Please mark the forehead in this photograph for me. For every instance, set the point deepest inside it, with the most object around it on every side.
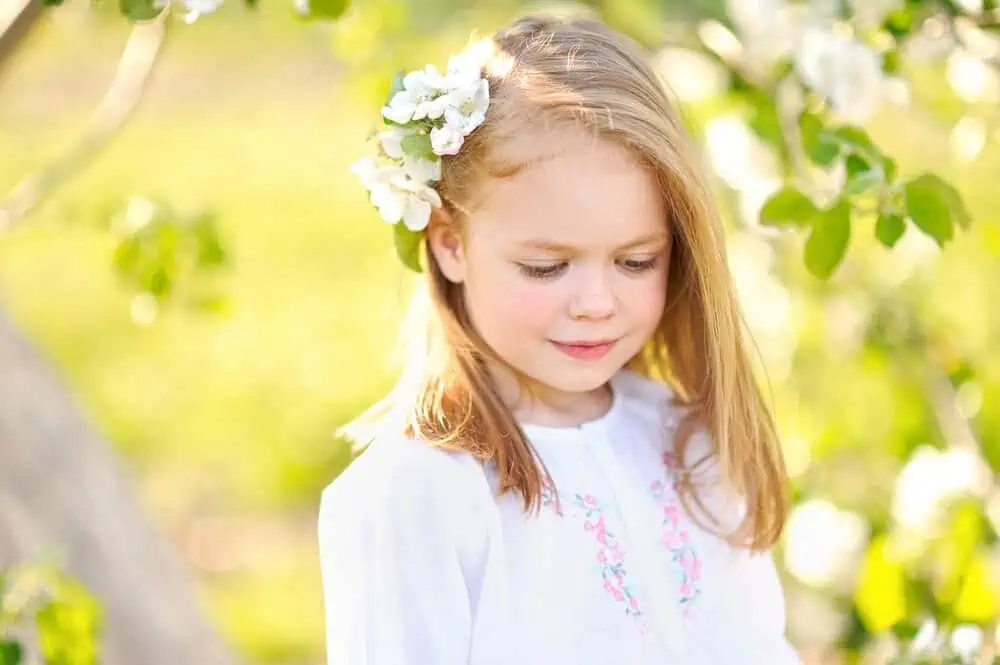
(572, 188)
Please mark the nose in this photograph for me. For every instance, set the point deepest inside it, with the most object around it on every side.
(594, 298)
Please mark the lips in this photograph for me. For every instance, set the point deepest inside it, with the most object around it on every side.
(585, 349)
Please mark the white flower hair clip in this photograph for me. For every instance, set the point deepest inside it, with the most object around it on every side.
(428, 115)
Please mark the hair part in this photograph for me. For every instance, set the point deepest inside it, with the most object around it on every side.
(545, 73)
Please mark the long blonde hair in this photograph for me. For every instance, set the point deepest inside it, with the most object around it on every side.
(546, 70)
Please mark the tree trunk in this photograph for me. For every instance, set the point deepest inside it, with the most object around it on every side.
(62, 489)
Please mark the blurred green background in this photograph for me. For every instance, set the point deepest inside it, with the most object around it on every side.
(225, 417)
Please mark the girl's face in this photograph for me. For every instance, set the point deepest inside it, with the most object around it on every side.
(565, 263)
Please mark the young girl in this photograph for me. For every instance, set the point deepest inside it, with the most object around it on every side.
(577, 466)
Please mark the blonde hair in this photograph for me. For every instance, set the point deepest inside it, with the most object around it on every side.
(546, 71)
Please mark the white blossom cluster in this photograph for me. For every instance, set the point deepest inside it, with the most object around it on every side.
(429, 116)
(832, 62)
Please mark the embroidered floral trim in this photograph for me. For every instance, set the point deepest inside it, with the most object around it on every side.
(610, 557)
(676, 538)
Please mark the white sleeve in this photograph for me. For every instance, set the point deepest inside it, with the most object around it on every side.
(393, 582)
(756, 591)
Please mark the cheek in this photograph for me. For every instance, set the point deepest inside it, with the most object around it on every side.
(644, 300)
(506, 301)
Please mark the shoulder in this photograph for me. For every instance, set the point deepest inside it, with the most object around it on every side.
(399, 480)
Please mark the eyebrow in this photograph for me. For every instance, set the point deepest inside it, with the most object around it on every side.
(542, 243)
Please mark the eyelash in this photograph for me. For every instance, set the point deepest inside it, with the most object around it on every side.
(552, 270)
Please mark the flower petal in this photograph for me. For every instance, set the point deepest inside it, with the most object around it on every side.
(446, 140)
(390, 203)
(392, 141)
(416, 213)
(365, 168)
(422, 170)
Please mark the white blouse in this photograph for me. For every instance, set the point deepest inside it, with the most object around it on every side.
(422, 564)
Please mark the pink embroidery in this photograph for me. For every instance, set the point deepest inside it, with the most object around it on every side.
(609, 556)
(677, 540)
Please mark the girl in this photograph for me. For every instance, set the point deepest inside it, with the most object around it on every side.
(577, 466)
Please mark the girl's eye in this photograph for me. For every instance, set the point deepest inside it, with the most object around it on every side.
(638, 265)
(546, 271)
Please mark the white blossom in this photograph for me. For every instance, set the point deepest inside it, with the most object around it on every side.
(450, 106)
(465, 68)
(396, 195)
(424, 83)
(870, 13)
(422, 170)
(467, 106)
(967, 642)
(767, 29)
(447, 140)
(930, 479)
(196, 8)
(845, 71)
(400, 108)
(431, 109)
(391, 139)
(824, 543)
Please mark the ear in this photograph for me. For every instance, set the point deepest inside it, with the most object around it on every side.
(445, 242)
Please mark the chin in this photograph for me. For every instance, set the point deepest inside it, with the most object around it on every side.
(578, 380)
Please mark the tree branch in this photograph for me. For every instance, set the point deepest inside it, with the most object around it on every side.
(126, 89)
(17, 18)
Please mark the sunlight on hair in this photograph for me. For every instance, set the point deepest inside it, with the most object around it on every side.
(499, 65)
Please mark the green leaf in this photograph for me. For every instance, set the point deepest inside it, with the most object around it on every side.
(787, 206)
(892, 61)
(10, 653)
(958, 210)
(210, 252)
(818, 144)
(857, 140)
(68, 626)
(324, 10)
(408, 246)
(889, 168)
(889, 228)
(419, 145)
(905, 629)
(827, 243)
(782, 68)
(764, 119)
(899, 22)
(140, 10)
(861, 175)
(935, 206)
